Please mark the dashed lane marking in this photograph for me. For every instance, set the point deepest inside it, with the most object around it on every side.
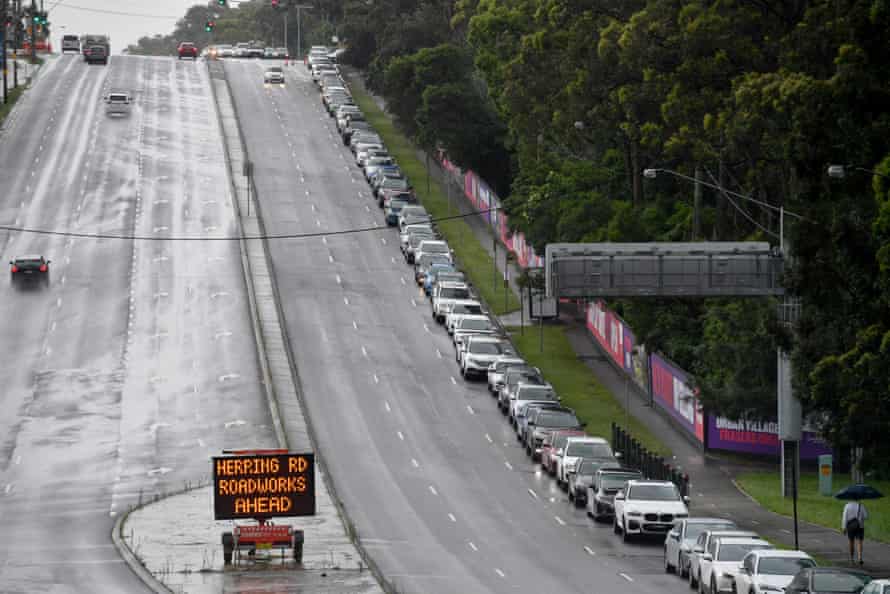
(433, 490)
(386, 405)
(415, 463)
(470, 408)
(472, 546)
(452, 518)
(559, 520)
(499, 572)
(590, 551)
(532, 493)
(376, 379)
(401, 436)
(627, 577)
(508, 465)
(488, 437)
(453, 381)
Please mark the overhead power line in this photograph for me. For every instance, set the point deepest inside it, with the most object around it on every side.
(83, 235)
(115, 12)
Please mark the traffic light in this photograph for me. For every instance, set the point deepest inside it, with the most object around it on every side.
(208, 26)
(37, 19)
(274, 3)
(221, 2)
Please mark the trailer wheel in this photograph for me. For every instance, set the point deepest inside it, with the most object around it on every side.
(228, 542)
(298, 552)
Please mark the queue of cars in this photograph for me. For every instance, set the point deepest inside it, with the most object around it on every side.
(713, 554)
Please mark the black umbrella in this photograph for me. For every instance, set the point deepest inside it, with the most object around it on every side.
(858, 493)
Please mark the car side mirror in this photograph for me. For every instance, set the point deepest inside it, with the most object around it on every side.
(619, 496)
(686, 499)
(707, 557)
(698, 549)
(743, 569)
(619, 455)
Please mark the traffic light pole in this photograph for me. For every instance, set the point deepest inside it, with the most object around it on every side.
(33, 32)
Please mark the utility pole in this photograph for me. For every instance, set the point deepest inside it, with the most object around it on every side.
(3, 15)
(300, 7)
(33, 32)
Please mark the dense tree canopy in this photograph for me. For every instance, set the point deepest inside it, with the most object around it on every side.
(561, 104)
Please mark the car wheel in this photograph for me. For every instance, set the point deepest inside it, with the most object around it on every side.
(625, 537)
(713, 588)
(692, 581)
(571, 495)
(615, 527)
(681, 566)
(668, 568)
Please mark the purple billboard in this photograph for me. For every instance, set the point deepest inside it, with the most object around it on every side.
(758, 437)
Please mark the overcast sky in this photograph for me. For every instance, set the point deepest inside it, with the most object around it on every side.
(125, 21)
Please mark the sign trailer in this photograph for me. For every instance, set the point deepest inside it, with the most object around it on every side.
(260, 485)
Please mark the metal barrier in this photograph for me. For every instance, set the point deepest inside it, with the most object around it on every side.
(634, 455)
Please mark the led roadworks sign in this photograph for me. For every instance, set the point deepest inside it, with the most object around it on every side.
(263, 486)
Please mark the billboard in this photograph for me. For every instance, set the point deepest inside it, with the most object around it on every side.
(758, 437)
(263, 486)
(671, 391)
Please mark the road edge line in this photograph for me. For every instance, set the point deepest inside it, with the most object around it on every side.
(135, 565)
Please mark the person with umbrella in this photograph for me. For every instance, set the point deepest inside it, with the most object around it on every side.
(855, 514)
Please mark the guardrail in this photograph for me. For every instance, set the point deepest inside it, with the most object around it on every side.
(634, 455)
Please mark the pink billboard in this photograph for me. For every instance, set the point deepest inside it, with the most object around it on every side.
(671, 391)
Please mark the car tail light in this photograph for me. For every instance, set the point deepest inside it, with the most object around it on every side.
(15, 268)
(43, 268)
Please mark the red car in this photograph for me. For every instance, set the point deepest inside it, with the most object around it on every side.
(188, 49)
(552, 446)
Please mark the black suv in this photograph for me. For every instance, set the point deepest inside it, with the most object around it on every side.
(29, 269)
(96, 54)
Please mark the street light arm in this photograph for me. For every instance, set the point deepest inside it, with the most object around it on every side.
(651, 173)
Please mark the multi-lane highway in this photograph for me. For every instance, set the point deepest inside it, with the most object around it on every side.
(137, 362)
(442, 497)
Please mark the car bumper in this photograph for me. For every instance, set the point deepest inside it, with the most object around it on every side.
(637, 525)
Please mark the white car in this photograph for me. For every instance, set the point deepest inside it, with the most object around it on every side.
(680, 540)
(464, 307)
(478, 353)
(430, 246)
(701, 545)
(528, 392)
(446, 294)
(117, 103)
(576, 449)
(273, 75)
(471, 325)
(720, 564)
(881, 586)
(496, 370)
(647, 507)
(770, 571)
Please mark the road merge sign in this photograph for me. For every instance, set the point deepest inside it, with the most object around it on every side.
(263, 486)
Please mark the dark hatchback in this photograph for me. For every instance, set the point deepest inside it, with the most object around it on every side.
(828, 580)
(96, 54)
(33, 269)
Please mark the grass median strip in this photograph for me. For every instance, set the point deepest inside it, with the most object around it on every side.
(766, 489)
(13, 96)
(472, 256)
(577, 385)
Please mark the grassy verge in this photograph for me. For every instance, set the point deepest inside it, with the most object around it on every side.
(765, 487)
(13, 96)
(577, 386)
(475, 261)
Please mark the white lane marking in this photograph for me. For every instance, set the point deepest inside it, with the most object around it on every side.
(415, 463)
(313, 207)
(386, 404)
(354, 324)
(393, 259)
(52, 327)
(426, 327)
(488, 437)
(402, 278)
(785, 530)
(532, 493)
(453, 381)
(376, 379)
(590, 551)
(452, 518)
(324, 239)
(367, 208)
(499, 572)
(339, 280)
(399, 433)
(383, 240)
(59, 302)
(346, 300)
(8, 488)
(330, 258)
(472, 546)
(317, 223)
(508, 465)
(627, 577)
(201, 443)
(438, 353)
(559, 520)
(364, 351)
(470, 408)
(414, 303)
(433, 490)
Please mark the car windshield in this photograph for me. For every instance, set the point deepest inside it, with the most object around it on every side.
(475, 324)
(527, 375)
(589, 450)
(737, 551)
(535, 393)
(428, 259)
(693, 529)
(117, 98)
(486, 348)
(396, 205)
(436, 248)
(416, 238)
(379, 161)
(616, 481)
(28, 263)
(654, 493)
(838, 582)
(500, 366)
(454, 293)
(556, 420)
(275, 69)
(395, 183)
(783, 565)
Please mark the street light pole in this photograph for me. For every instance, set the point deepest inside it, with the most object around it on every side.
(299, 8)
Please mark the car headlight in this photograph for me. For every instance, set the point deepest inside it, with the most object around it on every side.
(634, 514)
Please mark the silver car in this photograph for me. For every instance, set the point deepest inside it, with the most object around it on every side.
(496, 371)
(680, 540)
(117, 103)
(478, 353)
